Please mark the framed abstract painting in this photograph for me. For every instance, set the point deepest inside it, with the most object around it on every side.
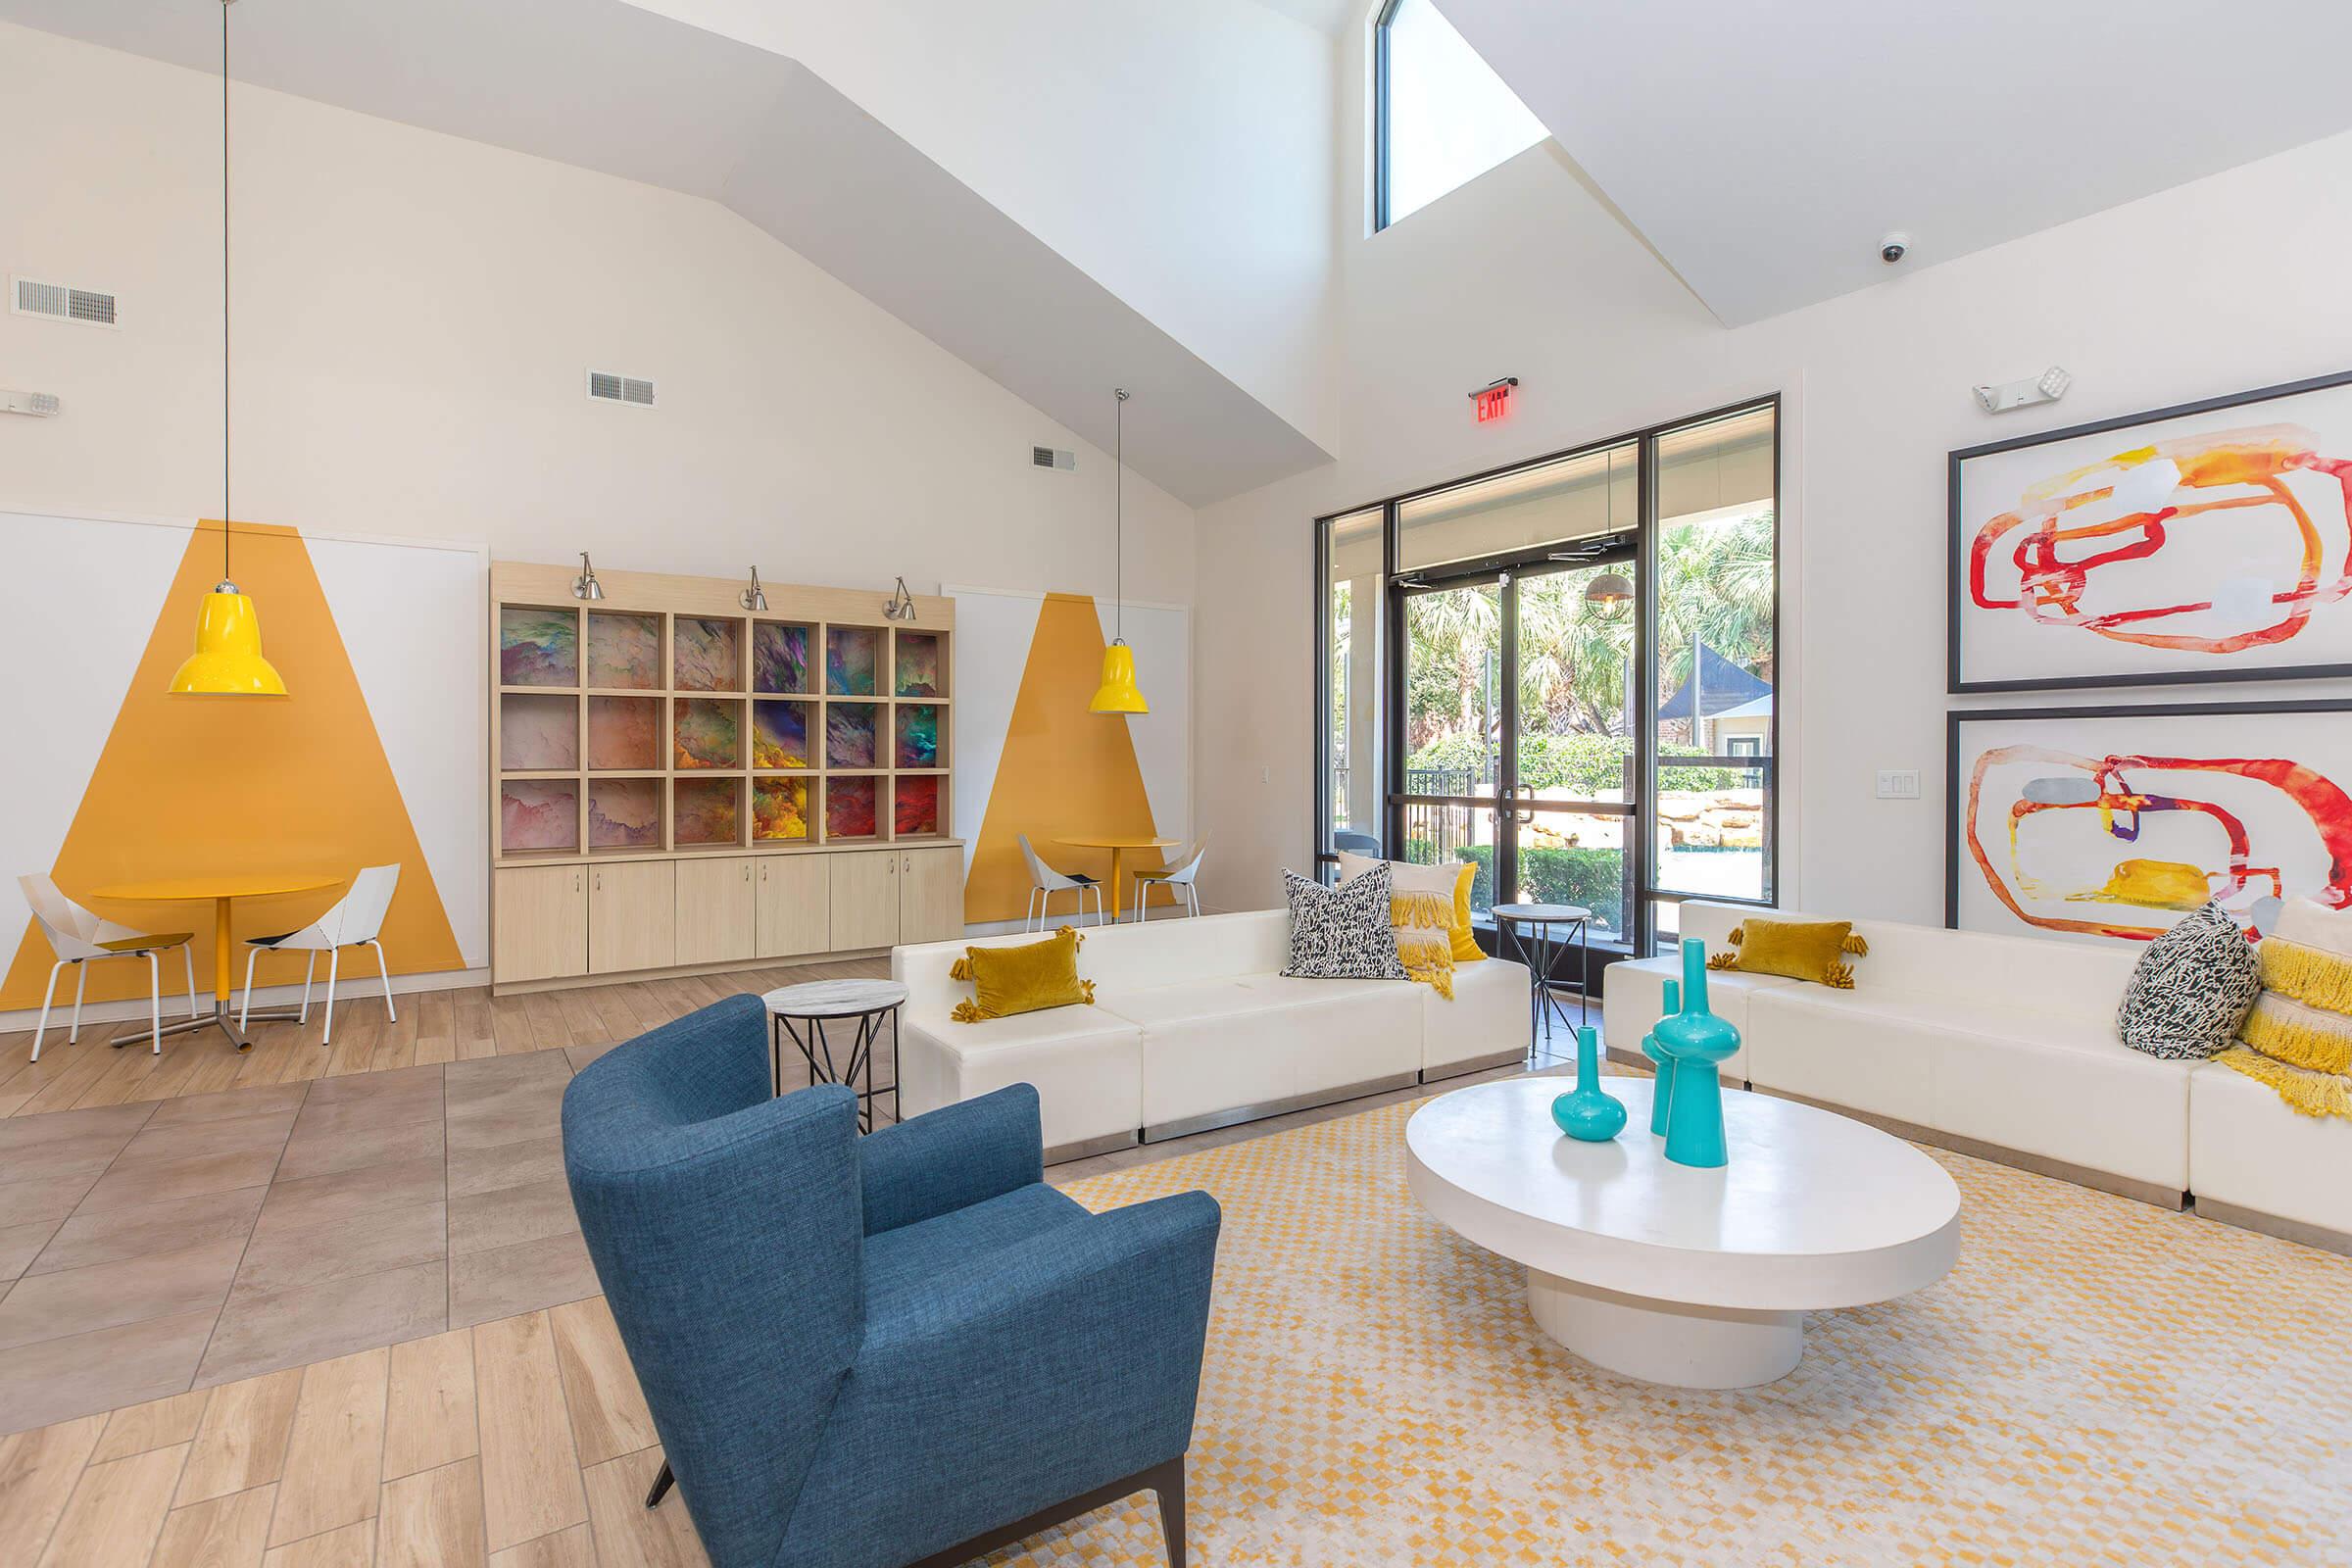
(2110, 823)
(2212, 541)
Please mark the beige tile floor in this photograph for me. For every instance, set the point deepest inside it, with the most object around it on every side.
(154, 1245)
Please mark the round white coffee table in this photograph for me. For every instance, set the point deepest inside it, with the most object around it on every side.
(1695, 1278)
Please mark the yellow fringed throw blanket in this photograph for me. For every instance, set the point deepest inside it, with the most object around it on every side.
(1424, 924)
(2298, 1039)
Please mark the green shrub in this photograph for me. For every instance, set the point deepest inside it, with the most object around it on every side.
(1592, 878)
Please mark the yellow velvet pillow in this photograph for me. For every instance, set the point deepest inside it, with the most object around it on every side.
(1465, 945)
(1025, 979)
(1798, 950)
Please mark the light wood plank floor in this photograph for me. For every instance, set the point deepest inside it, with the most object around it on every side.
(434, 1027)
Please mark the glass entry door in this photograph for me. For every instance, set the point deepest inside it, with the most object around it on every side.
(1518, 756)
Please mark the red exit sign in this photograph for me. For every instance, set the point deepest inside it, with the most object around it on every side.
(1492, 400)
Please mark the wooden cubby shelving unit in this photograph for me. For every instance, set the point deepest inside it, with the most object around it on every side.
(681, 785)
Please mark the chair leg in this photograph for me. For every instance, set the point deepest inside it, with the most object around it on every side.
(155, 1000)
(332, 959)
(1168, 1486)
(187, 956)
(252, 957)
(385, 975)
(82, 975)
(42, 1027)
(309, 972)
(662, 1485)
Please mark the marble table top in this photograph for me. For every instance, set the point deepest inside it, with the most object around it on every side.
(1541, 913)
(834, 998)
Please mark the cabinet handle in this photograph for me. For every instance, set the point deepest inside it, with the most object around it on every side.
(746, 872)
(575, 881)
(600, 881)
(894, 868)
(908, 864)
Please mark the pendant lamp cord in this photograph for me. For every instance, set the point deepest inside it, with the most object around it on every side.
(224, 491)
(1119, 511)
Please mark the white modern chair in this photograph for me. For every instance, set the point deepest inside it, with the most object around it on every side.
(79, 937)
(1045, 882)
(354, 922)
(1179, 878)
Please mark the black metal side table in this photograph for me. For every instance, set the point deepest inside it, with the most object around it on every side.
(1540, 932)
(800, 1014)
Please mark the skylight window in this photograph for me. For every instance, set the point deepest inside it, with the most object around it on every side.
(1444, 117)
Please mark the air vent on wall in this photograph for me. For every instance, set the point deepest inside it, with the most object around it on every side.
(60, 302)
(1048, 458)
(607, 387)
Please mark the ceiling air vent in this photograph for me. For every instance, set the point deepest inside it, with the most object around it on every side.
(1048, 458)
(59, 302)
(606, 387)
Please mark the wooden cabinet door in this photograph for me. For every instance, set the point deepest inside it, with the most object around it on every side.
(930, 895)
(714, 909)
(864, 898)
(541, 932)
(632, 916)
(791, 906)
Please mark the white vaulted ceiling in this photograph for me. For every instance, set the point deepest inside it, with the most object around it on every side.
(1764, 150)
(612, 86)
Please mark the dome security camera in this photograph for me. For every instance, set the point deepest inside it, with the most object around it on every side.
(1894, 248)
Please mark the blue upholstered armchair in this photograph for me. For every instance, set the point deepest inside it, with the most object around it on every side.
(867, 1352)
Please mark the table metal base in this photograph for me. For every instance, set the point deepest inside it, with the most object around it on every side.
(817, 1050)
(1541, 948)
(222, 1017)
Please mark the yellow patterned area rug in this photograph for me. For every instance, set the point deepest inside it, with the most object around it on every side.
(2098, 1382)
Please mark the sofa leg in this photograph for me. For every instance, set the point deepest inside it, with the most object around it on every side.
(1167, 1483)
(662, 1485)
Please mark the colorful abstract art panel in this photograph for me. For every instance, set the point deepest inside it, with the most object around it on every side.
(780, 809)
(918, 814)
(706, 655)
(538, 813)
(706, 733)
(779, 657)
(538, 647)
(624, 651)
(2109, 824)
(918, 664)
(850, 807)
(2211, 542)
(851, 654)
(539, 733)
(853, 734)
(625, 813)
(708, 810)
(779, 734)
(918, 735)
(624, 733)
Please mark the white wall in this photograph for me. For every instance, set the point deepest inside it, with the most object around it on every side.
(2229, 283)
(1178, 154)
(414, 317)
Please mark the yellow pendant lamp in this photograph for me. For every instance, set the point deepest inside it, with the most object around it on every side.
(1118, 693)
(227, 660)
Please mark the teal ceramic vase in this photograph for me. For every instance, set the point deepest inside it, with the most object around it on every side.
(1661, 1089)
(1587, 1114)
(1696, 1041)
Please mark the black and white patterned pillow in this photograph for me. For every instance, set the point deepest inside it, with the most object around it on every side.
(2191, 988)
(1342, 933)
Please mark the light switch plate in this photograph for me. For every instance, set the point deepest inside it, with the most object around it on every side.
(1898, 783)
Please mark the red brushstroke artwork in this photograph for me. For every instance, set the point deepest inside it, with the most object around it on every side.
(2135, 504)
(2115, 789)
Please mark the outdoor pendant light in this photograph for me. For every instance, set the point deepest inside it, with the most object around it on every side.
(227, 660)
(1118, 693)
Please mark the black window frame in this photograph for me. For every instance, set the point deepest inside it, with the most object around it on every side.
(1397, 583)
(1380, 113)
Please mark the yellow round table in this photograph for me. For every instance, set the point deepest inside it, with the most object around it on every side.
(1116, 843)
(222, 891)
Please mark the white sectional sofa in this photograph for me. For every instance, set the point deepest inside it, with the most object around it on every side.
(2007, 1047)
(1192, 1026)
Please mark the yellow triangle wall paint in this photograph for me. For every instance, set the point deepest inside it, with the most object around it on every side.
(1064, 770)
(187, 786)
